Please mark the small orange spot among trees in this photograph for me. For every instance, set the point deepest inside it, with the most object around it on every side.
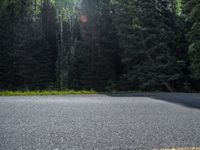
(84, 19)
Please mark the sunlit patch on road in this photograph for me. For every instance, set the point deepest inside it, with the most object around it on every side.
(187, 148)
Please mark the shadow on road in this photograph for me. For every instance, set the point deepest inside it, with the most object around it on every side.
(185, 99)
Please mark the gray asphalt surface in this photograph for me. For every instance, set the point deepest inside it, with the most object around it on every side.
(100, 122)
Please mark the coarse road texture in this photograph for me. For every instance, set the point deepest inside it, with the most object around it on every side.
(100, 122)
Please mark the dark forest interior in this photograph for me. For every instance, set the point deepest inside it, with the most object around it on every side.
(104, 45)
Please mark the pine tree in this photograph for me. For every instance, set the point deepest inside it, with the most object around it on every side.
(14, 13)
(27, 56)
(192, 11)
(96, 50)
(98, 44)
(49, 32)
(148, 40)
(5, 34)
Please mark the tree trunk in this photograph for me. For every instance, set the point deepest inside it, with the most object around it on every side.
(169, 87)
(61, 52)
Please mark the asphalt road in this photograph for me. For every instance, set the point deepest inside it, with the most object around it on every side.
(100, 122)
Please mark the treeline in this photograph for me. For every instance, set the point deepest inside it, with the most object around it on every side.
(134, 45)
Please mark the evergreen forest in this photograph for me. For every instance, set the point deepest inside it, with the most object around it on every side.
(102, 45)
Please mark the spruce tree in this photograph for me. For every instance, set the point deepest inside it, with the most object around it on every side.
(192, 12)
(148, 39)
(97, 45)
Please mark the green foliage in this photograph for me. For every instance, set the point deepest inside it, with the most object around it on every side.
(179, 7)
(192, 12)
(27, 57)
(117, 45)
(147, 32)
(95, 59)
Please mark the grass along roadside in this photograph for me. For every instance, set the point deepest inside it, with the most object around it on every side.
(45, 93)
